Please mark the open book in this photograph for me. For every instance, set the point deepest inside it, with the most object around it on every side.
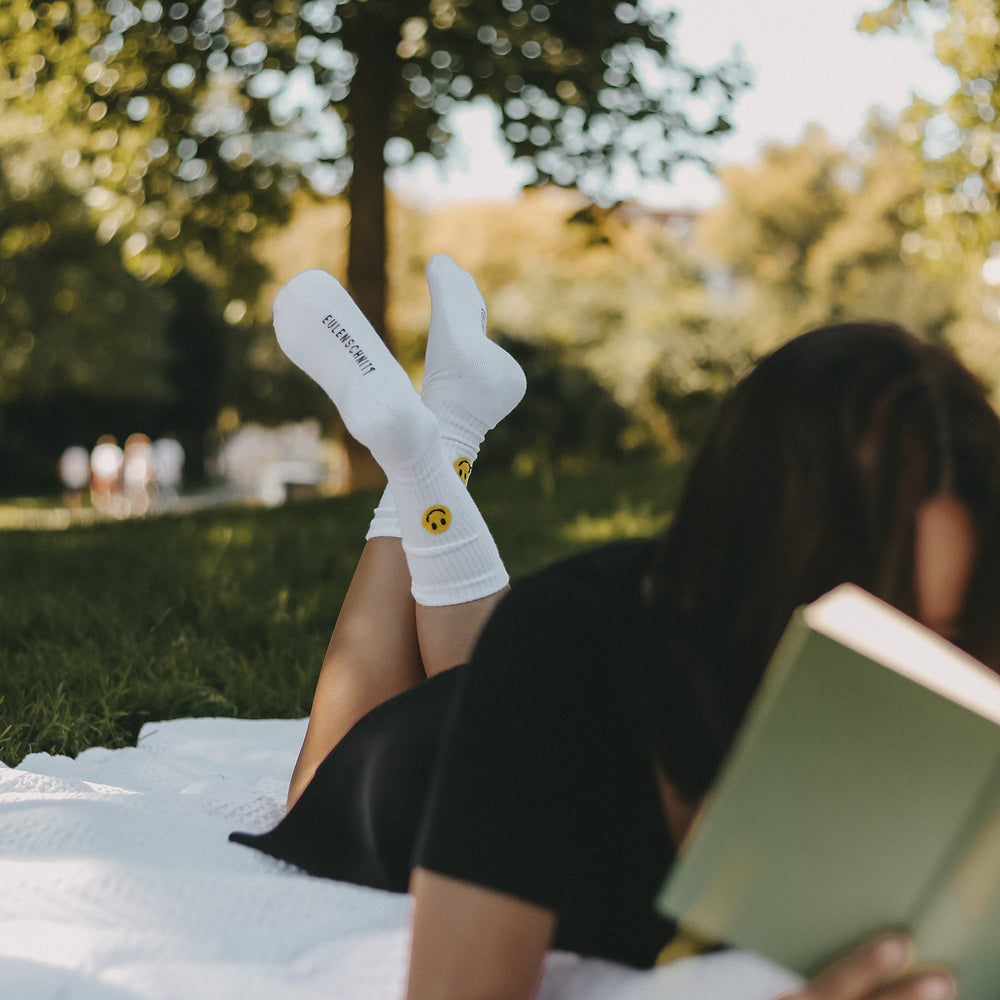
(861, 793)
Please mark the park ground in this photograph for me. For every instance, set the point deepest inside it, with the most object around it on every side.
(227, 610)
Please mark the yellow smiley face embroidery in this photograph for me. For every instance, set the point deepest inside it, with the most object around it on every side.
(464, 469)
(437, 519)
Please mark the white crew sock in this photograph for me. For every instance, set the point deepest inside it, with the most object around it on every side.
(450, 553)
(385, 518)
(319, 327)
(470, 384)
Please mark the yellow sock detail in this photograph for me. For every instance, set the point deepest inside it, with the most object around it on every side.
(436, 520)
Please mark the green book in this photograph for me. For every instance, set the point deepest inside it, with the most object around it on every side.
(861, 793)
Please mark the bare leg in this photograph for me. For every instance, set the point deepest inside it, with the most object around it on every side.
(447, 635)
(382, 644)
(373, 655)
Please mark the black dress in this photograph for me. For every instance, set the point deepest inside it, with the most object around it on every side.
(525, 770)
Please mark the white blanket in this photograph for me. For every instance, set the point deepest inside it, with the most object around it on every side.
(117, 882)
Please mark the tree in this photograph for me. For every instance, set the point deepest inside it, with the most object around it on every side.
(582, 86)
(54, 279)
(127, 153)
(74, 326)
(959, 141)
(184, 124)
(146, 114)
(815, 234)
(955, 226)
(604, 307)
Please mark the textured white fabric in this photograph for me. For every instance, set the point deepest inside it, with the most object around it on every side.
(385, 518)
(117, 882)
(470, 384)
(320, 328)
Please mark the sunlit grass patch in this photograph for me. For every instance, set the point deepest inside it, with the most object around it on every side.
(227, 612)
(625, 523)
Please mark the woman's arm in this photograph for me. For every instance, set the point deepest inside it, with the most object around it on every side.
(473, 943)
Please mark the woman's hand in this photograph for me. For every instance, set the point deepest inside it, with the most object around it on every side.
(878, 971)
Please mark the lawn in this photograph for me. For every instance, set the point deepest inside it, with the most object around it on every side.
(227, 612)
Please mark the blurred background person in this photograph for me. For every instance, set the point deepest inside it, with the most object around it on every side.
(106, 467)
(74, 471)
(168, 470)
(137, 472)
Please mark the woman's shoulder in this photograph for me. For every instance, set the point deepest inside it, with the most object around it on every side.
(570, 609)
(618, 566)
(560, 628)
(596, 593)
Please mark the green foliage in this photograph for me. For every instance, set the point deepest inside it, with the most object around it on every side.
(178, 106)
(582, 88)
(121, 160)
(814, 234)
(580, 85)
(175, 134)
(185, 128)
(71, 318)
(228, 612)
(147, 116)
(959, 140)
(610, 310)
(87, 349)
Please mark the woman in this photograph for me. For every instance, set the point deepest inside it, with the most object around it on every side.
(521, 797)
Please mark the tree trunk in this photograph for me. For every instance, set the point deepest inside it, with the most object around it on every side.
(369, 108)
(370, 105)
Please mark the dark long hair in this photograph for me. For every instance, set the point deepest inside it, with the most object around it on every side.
(811, 477)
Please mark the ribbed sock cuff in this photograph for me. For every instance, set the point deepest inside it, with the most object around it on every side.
(385, 519)
(464, 571)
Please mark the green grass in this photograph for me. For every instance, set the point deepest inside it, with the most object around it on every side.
(227, 612)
